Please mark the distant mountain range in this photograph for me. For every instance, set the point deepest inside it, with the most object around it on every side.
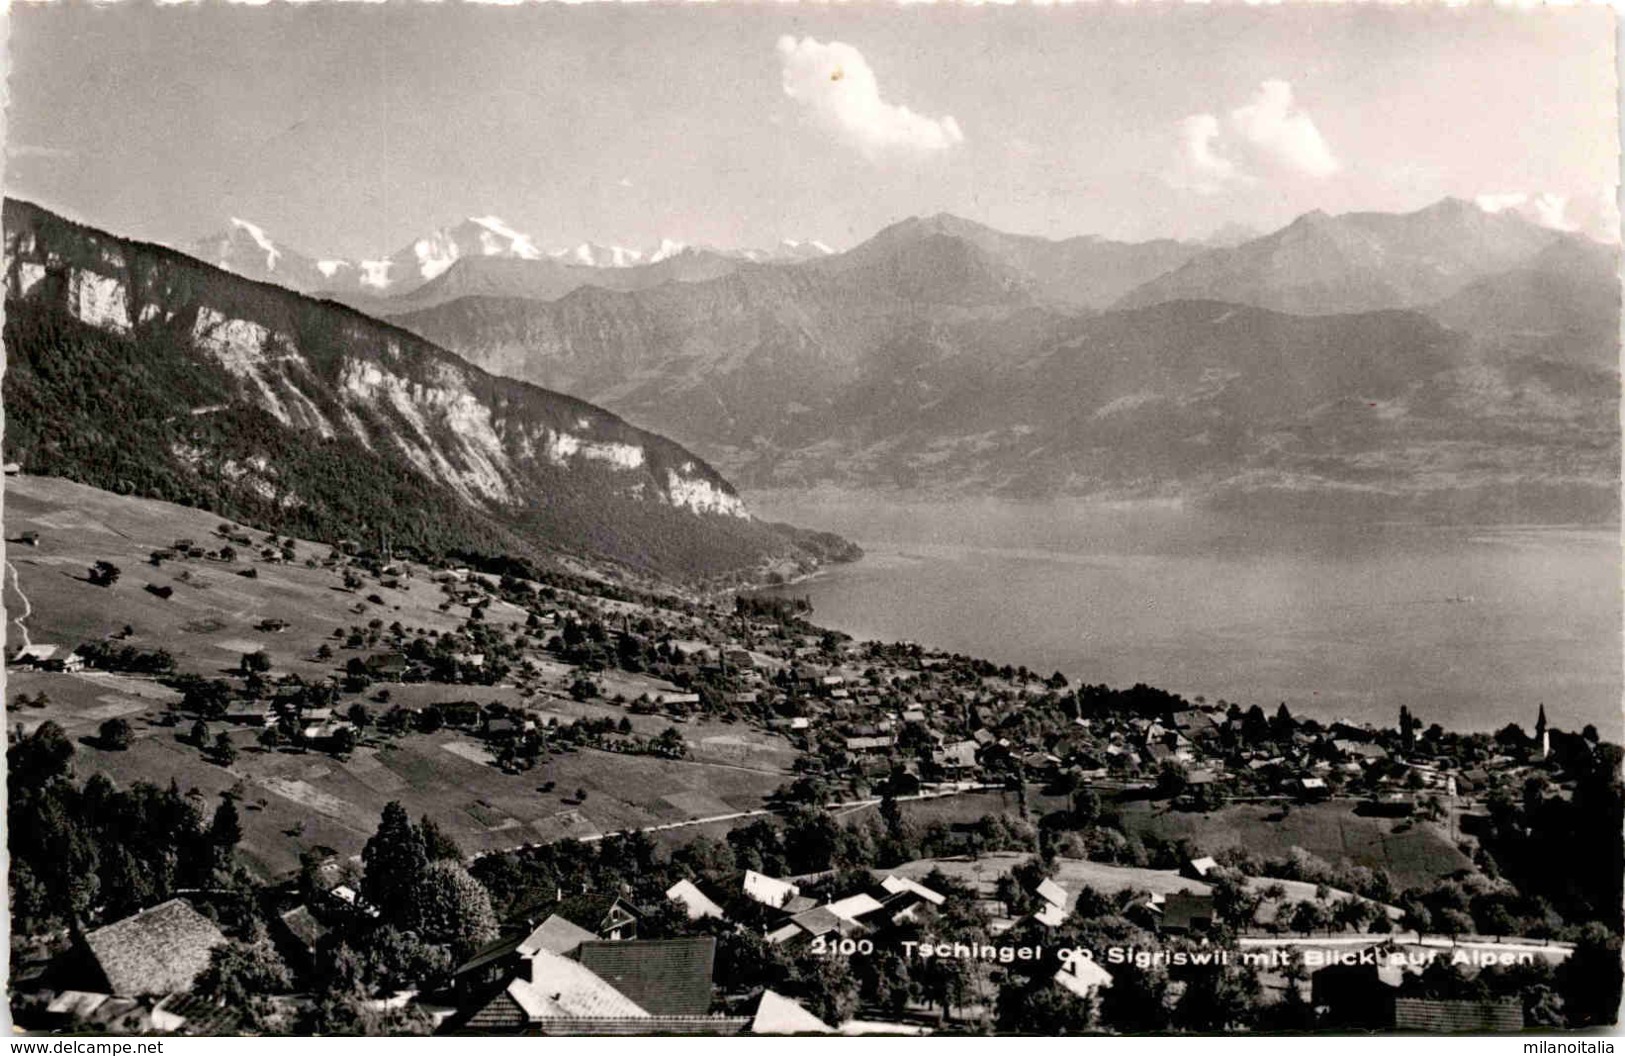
(138, 369)
(486, 255)
(1450, 363)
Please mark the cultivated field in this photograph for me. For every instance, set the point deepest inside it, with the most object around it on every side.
(294, 799)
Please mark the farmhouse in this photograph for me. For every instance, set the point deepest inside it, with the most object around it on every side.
(696, 903)
(1082, 976)
(157, 951)
(1185, 913)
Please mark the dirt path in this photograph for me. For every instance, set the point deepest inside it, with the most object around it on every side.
(28, 608)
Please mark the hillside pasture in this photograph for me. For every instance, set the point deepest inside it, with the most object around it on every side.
(1414, 852)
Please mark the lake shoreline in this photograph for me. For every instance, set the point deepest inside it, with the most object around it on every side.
(1468, 626)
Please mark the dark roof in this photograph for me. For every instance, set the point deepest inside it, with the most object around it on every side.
(304, 927)
(156, 951)
(506, 946)
(1183, 908)
(817, 921)
(1458, 1017)
(204, 1016)
(668, 977)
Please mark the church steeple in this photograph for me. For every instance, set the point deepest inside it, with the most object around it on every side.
(1542, 738)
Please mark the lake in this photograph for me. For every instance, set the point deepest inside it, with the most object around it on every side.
(1470, 627)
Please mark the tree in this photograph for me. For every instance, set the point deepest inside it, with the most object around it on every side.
(36, 759)
(1171, 779)
(226, 830)
(104, 573)
(452, 909)
(240, 972)
(343, 741)
(115, 735)
(1308, 917)
(255, 663)
(1219, 999)
(1590, 980)
(225, 753)
(394, 860)
(827, 988)
(436, 844)
(1085, 807)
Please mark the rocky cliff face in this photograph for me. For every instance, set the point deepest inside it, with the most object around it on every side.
(202, 368)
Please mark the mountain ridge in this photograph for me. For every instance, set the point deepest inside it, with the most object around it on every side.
(334, 419)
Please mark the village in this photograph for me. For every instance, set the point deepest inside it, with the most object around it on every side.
(824, 819)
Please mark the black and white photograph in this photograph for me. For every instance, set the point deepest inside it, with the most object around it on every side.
(750, 519)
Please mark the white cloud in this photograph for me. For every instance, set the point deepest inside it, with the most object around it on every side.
(1546, 209)
(1597, 217)
(834, 82)
(1203, 170)
(1273, 125)
(1269, 134)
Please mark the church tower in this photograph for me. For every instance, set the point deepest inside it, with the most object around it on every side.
(1542, 737)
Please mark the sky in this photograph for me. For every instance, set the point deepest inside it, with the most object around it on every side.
(349, 130)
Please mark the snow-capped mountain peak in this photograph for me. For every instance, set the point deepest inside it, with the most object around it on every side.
(592, 255)
(498, 239)
(667, 248)
(257, 233)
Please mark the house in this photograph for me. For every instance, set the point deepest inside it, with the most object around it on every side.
(388, 666)
(868, 744)
(776, 1014)
(961, 755)
(812, 924)
(694, 901)
(504, 729)
(608, 917)
(464, 714)
(36, 655)
(549, 991)
(1052, 909)
(1199, 868)
(323, 731)
(156, 951)
(1356, 995)
(767, 890)
(1498, 1016)
(1361, 750)
(1082, 976)
(499, 961)
(665, 977)
(899, 884)
(854, 907)
(1184, 913)
(303, 936)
